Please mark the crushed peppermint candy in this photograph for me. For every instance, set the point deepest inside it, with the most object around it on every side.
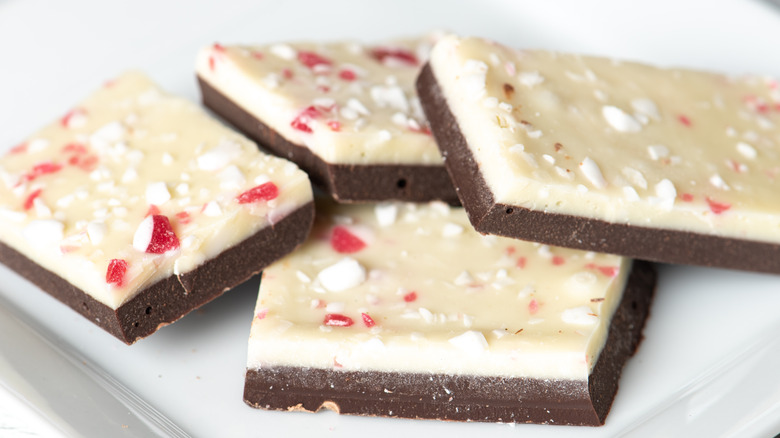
(264, 192)
(345, 274)
(155, 235)
(593, 173)
(116, 272)
(471, 341)
(337, 320)
(619, 120)
(345, 242)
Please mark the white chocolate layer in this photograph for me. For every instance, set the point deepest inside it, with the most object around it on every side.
(618, 141)
(348, 103)
(74, 196)
(414, 288)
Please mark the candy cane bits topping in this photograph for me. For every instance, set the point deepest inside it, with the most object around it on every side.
(302, 122)
(338, 320)
(155, 235)
(387, 55)
(116, 272)
(367, 320)
(312, 59)
(30, 200)
(263, 192)
(717, 207)
(342, 241)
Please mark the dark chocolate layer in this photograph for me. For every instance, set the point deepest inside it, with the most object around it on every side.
(467, 398)
(344, 182)
(580, 232)
(169, 299)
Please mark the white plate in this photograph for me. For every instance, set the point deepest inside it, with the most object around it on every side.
(708, 364)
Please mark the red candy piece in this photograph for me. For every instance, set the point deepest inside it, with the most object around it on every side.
(77, 148)
(334, 125)
(347, 75)
(311, 59)
(558, 260)
(687, 197)
(345, 242)
(684, 120)
(411, 296)
(521, 261)
(382, 54)
(263, 192)
(287, 73)
(183, 217)
(18, 149)
(367, 320)
(115, 274)
(257, 55)
(219, 47)
(86, 163)
(337, 320)
(41, 169)
(163, 237)
(609, 271)
(301, 121)
(28, 202)
(533, 306)
(717, 207)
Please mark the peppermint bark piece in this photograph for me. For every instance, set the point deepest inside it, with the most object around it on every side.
(404, 310)
(136, 207)
(347, 113)
(668, 165)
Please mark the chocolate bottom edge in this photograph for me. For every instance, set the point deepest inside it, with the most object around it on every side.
(579, 232)
(167, 300)
(344, 182)
(467, 397)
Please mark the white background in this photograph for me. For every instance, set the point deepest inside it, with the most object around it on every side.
(708, 365)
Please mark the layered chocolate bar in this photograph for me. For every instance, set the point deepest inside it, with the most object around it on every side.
(404, 310)
(136, 207)
(668, 165)
(347, 113)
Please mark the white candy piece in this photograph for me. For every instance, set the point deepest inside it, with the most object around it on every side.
(386, 214)
(96, 231)
(592, 172)
(143, 234)
(472, 341)
(157, 193)
(619, 120)
(345, 274)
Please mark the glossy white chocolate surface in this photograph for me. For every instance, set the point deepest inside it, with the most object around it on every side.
(83, 190)
(414, 288)
(348, 103)
(618, 141)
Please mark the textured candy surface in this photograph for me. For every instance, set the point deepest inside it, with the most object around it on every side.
(617, 141)
(347, 102)
(424, 292)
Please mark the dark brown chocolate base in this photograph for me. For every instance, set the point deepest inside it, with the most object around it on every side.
(467, 398)
(344, 182)
(168, 300)
(656, 244)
